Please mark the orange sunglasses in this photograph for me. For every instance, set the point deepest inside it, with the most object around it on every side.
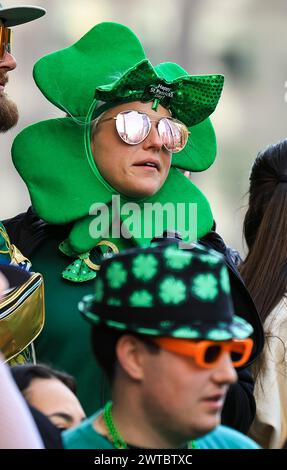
(5, 41)
(208, 353)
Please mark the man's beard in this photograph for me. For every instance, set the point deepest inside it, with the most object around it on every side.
(8, 110)
(8, 113)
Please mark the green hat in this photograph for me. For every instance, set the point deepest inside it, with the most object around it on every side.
(106, 67)
(162, 290)
(13, 16)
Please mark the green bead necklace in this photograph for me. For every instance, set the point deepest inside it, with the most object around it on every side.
(114, 434)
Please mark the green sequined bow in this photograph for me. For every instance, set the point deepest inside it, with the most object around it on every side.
(191, 98)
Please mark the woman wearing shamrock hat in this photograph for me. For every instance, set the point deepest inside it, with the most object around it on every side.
(129, 128)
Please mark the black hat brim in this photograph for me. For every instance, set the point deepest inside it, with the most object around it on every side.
(19, 15)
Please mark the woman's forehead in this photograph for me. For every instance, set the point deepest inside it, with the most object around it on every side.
(138, 106)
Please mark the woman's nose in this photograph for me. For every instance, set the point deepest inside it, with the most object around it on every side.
(153, 140)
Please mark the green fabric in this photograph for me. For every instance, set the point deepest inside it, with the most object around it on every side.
(64, 342)
(191, 99)
(200, 150)
(85, 436)
(49, 169)
(54, 157)
(69, 77)
(224, 437)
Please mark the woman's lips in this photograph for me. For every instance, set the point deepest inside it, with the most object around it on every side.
(149, 169)
(150, 165)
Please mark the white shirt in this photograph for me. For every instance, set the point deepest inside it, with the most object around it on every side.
(269, 428)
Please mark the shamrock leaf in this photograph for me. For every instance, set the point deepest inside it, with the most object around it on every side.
(177, 259)
(224, 280)
(186, 332)
(116, 275)
(141, 298)
(204, 286)
(172, 290)
(210, 259)
(145, 267)
(218, 334)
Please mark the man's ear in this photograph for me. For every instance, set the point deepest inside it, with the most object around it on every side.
(130, 352)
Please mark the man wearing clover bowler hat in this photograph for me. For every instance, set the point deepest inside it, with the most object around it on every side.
(9, 17)
(165, 332)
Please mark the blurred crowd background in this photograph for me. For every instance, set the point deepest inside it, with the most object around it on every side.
(243, 39)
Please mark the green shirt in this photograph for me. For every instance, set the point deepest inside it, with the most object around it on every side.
(65, 342)
(85, 436)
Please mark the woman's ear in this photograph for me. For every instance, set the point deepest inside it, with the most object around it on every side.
(130, 353)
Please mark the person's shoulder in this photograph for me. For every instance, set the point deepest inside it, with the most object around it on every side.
(28, 231)
(280, 310)
(224, 437)
(85, 436)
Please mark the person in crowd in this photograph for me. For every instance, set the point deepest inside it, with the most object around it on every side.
(165, 333)
(22, 312)
(94, 175)
(21, 425)
(264, 272)
(50, 391)
(18, 429)
(10, 17)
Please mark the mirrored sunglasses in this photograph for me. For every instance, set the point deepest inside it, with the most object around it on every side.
(207, 354)
(133, 127)
(5, 41)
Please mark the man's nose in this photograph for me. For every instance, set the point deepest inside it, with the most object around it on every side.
(224, 372)
(8, 62)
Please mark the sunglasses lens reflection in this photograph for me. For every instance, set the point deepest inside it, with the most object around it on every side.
(174, 134)
(132, 127)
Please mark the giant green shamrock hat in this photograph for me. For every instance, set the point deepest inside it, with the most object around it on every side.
(107, 67)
